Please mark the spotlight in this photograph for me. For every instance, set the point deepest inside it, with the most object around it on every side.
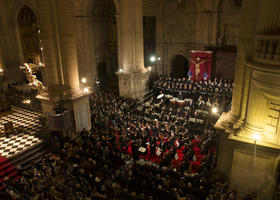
(86, 90)
(84, 80)
(120, 70)
(26, 101)
(153, 58)
(256, 137)
(41, 48)
(214, 110)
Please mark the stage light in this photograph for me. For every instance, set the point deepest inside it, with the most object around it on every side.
(84, 80)
(153, 58)
(214, 110)
(26, 101)
(256, 137)
(120, 70)
(86, 90)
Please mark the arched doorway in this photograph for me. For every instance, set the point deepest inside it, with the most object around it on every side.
(29, 34)
(105, 42)
(179, 66)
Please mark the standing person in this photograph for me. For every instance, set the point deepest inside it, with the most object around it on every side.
(135, 153)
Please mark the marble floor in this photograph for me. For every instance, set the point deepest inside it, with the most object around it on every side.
(25, 124)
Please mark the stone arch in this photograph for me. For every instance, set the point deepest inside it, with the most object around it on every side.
(19, 5)
(179, 66)
(15, 9)
(14, 56)
(28, 24)
(103, 30)
(87, 7)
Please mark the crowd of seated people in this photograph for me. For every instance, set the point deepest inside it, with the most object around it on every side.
(176, 160)
(215, 91)
(94, 168)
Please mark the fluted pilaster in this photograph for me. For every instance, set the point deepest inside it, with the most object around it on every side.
(58, 41)
(244, 51)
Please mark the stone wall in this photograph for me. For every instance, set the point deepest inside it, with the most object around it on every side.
(193, 25)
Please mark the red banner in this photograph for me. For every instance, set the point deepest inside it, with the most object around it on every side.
(200, 65)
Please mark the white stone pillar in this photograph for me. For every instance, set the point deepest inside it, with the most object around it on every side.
(57, 27)
(85, 49)
(133, 76)
(253, 152)
(242, 72)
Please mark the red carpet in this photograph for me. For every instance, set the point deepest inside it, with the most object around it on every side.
(6, 169)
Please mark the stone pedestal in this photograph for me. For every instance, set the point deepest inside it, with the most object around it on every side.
(249, 167)
(77, 105)
(133, 84)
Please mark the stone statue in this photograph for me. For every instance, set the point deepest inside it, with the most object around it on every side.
(27, 69)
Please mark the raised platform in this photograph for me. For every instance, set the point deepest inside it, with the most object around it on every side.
(5, 107)
(26, 125)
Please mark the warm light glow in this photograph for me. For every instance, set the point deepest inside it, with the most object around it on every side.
(149, 68)
(214, 110)
(153, 58)
(41, 48)
(158, 58)
(1, 70)
(256, 137)
(38, 31)
(84, 80)
(26, 101)
(120, 70)
(86, 90)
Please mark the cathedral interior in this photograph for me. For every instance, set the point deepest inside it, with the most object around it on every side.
(140, 99)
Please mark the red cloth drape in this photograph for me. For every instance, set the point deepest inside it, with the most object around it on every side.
(205, 67)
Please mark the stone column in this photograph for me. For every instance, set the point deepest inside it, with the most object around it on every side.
(59, 50)
(11, 45)
(242, 73)
(85, 47)
(253, 153)
(263, 100)
(133, 76)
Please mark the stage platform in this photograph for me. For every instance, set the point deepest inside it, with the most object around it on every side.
(27, 124)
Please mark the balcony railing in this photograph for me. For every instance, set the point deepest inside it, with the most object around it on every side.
(267, 49)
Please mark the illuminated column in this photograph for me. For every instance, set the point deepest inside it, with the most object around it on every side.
(249, 152)
(262, 116)
(132, 74)
(242, 72)
(60, 57)
(58, 41)
(85, 53)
